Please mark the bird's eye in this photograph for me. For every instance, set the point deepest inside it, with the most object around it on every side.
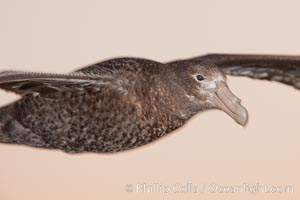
(200, 77)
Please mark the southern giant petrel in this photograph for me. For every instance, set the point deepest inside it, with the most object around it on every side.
(123, 103)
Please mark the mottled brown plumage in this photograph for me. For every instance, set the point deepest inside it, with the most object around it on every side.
(124, 103)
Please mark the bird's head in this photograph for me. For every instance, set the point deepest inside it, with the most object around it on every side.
(205, 87)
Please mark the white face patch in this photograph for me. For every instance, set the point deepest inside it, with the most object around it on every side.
(212, 83)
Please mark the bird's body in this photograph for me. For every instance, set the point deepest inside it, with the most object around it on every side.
(97, 119)
(90, 121)
(112, 106)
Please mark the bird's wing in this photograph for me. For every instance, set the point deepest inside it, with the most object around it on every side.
(285, 69)
(100, 76)
(115, 65)
(30, 82)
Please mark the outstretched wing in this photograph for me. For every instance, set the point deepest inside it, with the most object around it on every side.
(116, 65)
(29, 82)
(100, 76)
(285, 69)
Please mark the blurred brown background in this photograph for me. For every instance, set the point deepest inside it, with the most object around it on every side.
(62, 35)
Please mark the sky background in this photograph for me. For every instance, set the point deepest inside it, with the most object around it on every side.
(210, 150)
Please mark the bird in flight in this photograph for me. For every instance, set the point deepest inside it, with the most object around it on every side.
(123, 103)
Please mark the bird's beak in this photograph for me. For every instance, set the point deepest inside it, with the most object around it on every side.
(225, 100)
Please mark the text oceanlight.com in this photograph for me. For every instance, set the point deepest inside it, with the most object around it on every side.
(212, 188)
